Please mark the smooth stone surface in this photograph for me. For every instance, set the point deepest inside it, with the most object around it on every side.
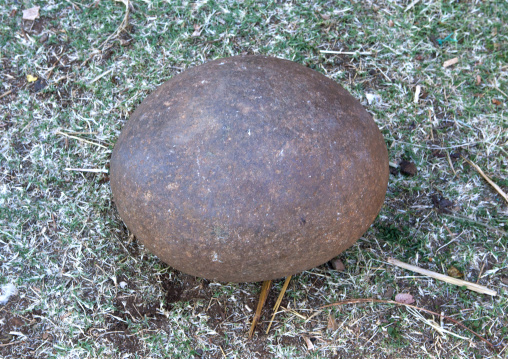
(248, 169)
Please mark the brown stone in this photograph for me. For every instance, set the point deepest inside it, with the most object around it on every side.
(249, 168)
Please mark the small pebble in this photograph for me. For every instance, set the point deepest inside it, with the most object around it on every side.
(388, 292)
(338, 265)
(43, 38)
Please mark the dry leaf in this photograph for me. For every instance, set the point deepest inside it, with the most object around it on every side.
(325, 16)
(496, 102)
(450, 62)
(31, 78)
(478, 80)
(390, 23)
(405, 298)
(310, 346)
(32, 13)
(197, 31)
(332, 323)
(454, 272)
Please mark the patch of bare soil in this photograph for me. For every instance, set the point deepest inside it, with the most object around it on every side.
(15, 328)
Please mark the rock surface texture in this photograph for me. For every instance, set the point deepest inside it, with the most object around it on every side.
(248, 169)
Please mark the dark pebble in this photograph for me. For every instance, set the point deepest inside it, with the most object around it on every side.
(408, 168)
(388, 292)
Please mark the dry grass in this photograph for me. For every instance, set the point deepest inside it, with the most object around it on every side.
(88, 289)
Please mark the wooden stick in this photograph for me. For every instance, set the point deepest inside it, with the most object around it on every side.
(262, 299)
(459, 282)
(81, 139)
(279, 300)
(5, 93)
(496, 187)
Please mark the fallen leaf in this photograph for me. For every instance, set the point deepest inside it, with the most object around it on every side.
(478, 80)
(31, 78)
(197, 31)
(454, 272)
(496, 102)
(390, 23)
(332, 323)
(325, 16)
(450, 62)
(31, 14)
(405, 298)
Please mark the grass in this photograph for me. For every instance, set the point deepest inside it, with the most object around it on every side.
(86, 289)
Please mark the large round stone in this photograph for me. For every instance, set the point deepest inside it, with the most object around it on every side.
(249, 168)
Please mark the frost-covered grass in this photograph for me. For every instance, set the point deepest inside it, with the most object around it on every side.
(88, 289)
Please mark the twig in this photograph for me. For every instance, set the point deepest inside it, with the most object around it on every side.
(481, 272)
(5, 94)
(372, 300)
(223, 353)
(364, 53)
(450, 162)
(279, 300)
(497, 88)
(11, 343)
(262, 299)
(440, 329)
(459, 282)
(123, 23)
(496, 187)
(417, 93)
(80, 139)
(100, 76)
(94, 170)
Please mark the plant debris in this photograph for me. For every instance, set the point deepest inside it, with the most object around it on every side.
(31, 14)
(408, 168)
